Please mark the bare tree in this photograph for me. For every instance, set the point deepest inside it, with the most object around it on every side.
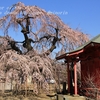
(90, 85)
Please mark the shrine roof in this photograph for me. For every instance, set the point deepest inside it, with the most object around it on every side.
(81, 48)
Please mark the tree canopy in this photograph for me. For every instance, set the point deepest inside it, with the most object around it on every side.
(42, 31)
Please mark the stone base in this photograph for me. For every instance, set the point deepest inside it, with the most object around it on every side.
(68, 97)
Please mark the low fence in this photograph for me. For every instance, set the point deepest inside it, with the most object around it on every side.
(5, 87)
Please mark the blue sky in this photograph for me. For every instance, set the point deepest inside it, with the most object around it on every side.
(82, 14)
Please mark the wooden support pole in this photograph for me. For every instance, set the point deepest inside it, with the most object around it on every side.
(68, 77)
(75, 78)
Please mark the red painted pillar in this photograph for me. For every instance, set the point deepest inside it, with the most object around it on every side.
(75, 78)
(68, 77)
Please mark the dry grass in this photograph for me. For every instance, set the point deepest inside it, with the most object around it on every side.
(40, 97)
(30, 96)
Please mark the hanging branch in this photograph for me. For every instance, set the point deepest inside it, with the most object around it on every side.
(45, 29)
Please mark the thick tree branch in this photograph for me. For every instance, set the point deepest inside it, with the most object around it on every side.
(14, 47)
(53, 46)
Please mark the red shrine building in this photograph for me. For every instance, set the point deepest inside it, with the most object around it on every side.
(89, 57)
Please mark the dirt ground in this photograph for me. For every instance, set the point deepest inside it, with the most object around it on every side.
(40, 97)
